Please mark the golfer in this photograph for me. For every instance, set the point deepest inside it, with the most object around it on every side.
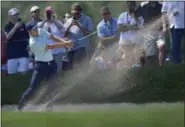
(46, 67)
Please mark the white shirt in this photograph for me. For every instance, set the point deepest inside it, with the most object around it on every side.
(37, 46)
(171, 7)
(55, 31)
(125, 18)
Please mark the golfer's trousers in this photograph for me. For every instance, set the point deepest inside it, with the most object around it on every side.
(177, 35)
(42, 71)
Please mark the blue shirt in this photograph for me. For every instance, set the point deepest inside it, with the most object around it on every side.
(107, 29)
(37, 46)
(75, 33)
(17, 45)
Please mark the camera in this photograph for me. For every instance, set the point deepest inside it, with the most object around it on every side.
(74, 18)
(48, 15)
(19, 19)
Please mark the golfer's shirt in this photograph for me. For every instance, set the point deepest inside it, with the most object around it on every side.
(37, 46)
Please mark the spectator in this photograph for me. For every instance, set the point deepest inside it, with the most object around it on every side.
(35, 17)
(77, 27)
(128, 26)
(17, 42)
(55, 27)
(173, 15)
(3, 54)
(151, 11)
(107, 32)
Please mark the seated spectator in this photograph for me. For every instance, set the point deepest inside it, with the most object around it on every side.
(55, 27)
(17, 43)
(77, 27)
(151, 11)
(173, 16)
(128, 26)
(3, 54)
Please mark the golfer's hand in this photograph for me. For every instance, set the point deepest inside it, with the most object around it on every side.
(70, 44)
(47, 46)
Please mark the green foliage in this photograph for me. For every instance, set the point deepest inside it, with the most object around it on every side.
(139, 86)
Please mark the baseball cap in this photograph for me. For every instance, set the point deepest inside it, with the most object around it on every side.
(34, 8)
(13, 11)
(50, 9)
(31, 25)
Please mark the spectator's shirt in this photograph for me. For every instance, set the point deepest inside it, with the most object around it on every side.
(37, 46)
(3, 50)
(53, 29)
(125, 18)
(148, 12)
(17, 45)
(107, 29)
(172, 6)
(75, 33)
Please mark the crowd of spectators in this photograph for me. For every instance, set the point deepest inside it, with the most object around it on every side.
(117, 47)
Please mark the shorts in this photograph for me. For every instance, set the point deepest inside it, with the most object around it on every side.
(17, 65)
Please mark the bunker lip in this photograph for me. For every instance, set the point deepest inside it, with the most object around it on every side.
(87, 107)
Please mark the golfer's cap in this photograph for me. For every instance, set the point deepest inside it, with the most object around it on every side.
(31, 25)
(49, 9)
(34, 8)
(13, 11)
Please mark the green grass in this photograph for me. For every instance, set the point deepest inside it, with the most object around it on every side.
(170, 115)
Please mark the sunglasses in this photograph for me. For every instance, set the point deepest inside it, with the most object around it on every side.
(106, 13)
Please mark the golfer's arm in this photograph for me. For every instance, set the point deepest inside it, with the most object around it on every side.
(57, 39)
(58, 45)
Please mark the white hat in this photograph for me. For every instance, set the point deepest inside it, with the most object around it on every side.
(34, 8)
(13, 11)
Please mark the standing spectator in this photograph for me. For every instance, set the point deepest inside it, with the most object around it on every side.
(77, 27)
(128, 26)
(151, 11)
(107, 32)
(3, 54)
(35, 17)
(55, 27)
(17, 43)
(173, 15)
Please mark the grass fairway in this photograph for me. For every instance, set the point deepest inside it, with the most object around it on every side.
(154, 115)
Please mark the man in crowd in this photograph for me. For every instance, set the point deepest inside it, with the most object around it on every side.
(35, 17)
(77, 27)
(17, 43)
(128, 43)
(55, 27)
(151, 12)
(46, 67)
(107, 33)
(173, 16)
